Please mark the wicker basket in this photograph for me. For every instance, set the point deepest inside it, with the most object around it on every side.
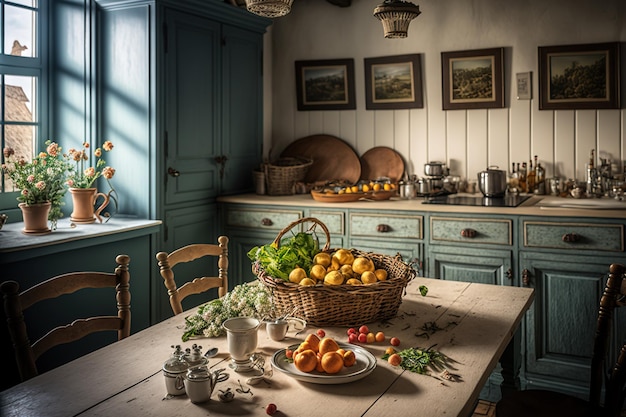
(341, 305)
(269, 8)
(282, 175)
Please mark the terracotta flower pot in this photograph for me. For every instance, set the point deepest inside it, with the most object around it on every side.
(35, 218)
(84, 202)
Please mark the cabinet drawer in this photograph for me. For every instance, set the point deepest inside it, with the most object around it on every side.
(333, 220)
(478, 231)
(587, 236)
(387, 225)
(262, 219)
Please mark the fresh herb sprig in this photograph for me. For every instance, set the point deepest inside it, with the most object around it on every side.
(419, 360)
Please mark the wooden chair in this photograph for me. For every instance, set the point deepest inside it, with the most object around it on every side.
(538, 403)
(197, 285)
(15, 303)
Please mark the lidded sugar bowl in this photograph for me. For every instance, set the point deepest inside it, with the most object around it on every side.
(174, 370)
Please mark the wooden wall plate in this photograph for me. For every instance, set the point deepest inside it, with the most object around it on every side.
(333, 158)
(382, 161)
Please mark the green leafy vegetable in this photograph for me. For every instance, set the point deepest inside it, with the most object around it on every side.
(423, 290)
(295, 251)
(418, 360)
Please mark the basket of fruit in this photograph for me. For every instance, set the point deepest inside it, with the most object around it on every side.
(331, 287)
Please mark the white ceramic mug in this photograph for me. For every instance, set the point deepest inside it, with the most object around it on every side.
(241, 335)
(277, 329)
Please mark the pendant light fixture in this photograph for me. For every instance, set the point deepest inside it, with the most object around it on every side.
(396, 15)
(269, 8)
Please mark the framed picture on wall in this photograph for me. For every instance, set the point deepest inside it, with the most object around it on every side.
(325, 84)
(393, 82)
(473, 79)
(579, 76)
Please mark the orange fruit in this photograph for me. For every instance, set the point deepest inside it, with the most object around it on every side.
(318, 367)
(349, 358)
(306, 361)
(313, 341)
(328, 344)
(332, 362)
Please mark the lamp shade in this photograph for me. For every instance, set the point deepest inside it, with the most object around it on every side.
(396, 15)
(269, 8)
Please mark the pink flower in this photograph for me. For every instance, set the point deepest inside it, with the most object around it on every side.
(24, 192)
(98, 152)
(70, 182)
(40, 185)
(8, 151)
(85, 145)
(30, 178)
(108, 172)
(108, 145)
(42, 154)
(53, 149)
(90, 172)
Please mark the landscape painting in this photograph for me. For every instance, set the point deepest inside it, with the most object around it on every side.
(579, 76)
(472, 79)
(325, 85)
(393, 82)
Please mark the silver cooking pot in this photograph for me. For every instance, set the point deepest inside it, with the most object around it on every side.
(492, 182)
(435, 169)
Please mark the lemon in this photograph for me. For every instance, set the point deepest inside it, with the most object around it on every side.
(322, 258)
(344, 257)
(317, 272)
(368, 277)
(354, 281)
(307, 281)
(347, 271)
(362, 264)
(387, 187)
(297, 275)
(355, 188)
(381, 274)
(376, 187)
(333, 278)
(365, 188)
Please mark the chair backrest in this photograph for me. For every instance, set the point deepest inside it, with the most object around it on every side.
(197, 285)
(611, 379)
(16, 302)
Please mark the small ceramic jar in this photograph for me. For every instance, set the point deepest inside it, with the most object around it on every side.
(174, 370)
(198, 384)
(277, 329)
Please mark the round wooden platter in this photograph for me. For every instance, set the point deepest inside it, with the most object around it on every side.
(345, 198)
(382, 161)
(333, 158)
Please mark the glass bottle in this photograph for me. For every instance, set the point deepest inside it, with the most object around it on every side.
(530, 178)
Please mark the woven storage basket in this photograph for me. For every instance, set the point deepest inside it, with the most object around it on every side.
(341, 305)
(282, 175)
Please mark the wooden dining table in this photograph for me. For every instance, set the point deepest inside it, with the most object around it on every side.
(470, 323)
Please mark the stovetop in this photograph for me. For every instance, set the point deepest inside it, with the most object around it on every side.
(453, 200)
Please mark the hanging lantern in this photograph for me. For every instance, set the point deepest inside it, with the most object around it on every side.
(269, 8)
(396, 15)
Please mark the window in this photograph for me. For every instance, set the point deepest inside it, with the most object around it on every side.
(21, 81)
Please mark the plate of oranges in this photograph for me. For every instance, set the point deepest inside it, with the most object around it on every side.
(329, 362)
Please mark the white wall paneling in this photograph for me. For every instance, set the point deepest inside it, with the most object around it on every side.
(468, 140)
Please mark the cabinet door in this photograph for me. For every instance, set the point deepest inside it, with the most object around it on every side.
(561, 322)
(240, 266)
(411, 252)
(192, 107)
(242, 109)
(470, 264)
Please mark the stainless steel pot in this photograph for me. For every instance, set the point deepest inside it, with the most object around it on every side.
(492, 182)
(407, 189)
(435, 169)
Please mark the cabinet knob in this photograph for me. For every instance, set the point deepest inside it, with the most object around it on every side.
(571, 237)
(470, 233)
(509, 274)
(526, 277)
(266, 222)
(383, 228)
(173, 172)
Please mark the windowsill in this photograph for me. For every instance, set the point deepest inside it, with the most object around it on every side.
(14, 243)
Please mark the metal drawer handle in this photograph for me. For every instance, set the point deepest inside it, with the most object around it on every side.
(470, 233)
(571, 237)
(383, 228)
(266, 222)
(526, 277)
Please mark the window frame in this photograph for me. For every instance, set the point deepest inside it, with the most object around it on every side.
(33, 67)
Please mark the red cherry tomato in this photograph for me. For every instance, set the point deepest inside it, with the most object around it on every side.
(289, 353)
(394, 341)
(362, 338)
(364, 329)
(353, 338)
(321, 333)
(271, 409)
(351, 330)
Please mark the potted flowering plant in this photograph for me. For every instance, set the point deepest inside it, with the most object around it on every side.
(41, 182)
(81, 179)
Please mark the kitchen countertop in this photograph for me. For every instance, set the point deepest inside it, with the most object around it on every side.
(547, 206)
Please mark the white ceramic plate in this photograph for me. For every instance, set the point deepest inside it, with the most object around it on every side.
(365, 364)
